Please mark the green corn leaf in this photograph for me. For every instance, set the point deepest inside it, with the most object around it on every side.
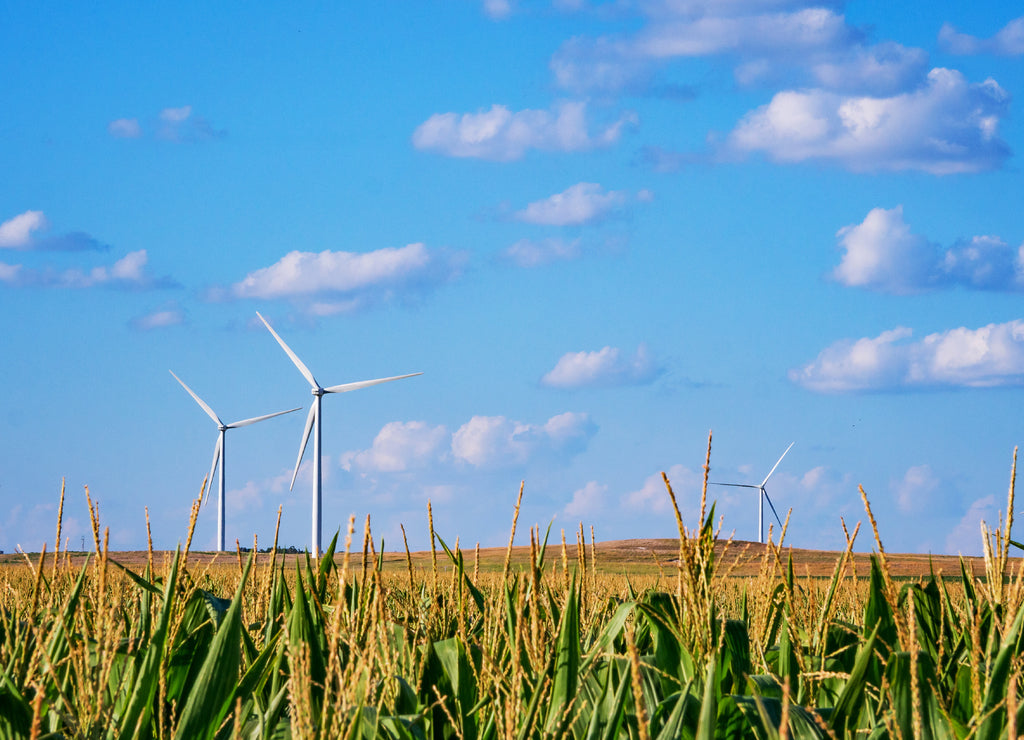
(209, 702)
(567, 664)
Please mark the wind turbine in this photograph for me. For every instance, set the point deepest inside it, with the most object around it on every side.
(762, 496)
(218, 453)
(313, 422)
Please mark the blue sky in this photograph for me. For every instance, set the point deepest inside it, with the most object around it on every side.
(599, 229)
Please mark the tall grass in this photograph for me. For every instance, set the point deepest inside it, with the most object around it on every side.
(333, 648)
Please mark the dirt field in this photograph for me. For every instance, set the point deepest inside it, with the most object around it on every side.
(618, 556)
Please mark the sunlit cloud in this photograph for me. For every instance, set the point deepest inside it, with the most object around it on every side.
(171, 315)
(991, 356)
(882, 254)
(128, 273)
(583, 203)
(539, 252)
(400, 446)
(1007, 41)
(606, 367)
(340, 282)
(503, 135)
(947, 126)
(497, 441)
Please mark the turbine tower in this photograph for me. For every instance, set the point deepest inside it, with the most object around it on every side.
(218, 453)
(313, 424)
(762, 496)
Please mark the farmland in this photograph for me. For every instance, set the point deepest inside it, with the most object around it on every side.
(696, 637)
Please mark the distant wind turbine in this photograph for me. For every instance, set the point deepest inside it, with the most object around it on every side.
(218, 453)
(762, 496)
(313, 422)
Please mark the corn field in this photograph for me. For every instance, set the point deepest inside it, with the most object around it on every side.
(339, 647)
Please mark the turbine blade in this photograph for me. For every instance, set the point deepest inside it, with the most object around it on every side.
(213, 469)
(734, 485)
(345, 387)
(776, 464)
(247, 422)
(294, 357)
(771, 505)
(305, 439)
(200, 401)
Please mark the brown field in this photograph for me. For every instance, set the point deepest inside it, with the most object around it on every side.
(621, 557)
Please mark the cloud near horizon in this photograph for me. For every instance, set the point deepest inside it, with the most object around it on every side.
(603, 368)
(502, 135)
(483, 442)
(989, 357)
(945, 126)
(347, 281)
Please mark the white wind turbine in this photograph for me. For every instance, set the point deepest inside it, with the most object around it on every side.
(218, 453)
(313, 422)
(762, 496)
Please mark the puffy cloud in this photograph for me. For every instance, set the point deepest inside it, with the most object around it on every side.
(351, 279)
(916, 490)
(503, 135)
(990, 356)
(535, 253)
(400, 446)
(966, 536)
(582, 203)
(605, 367)
(1008, 41)
(882, 254)
(810, 41)
(17, 232)
(945, 126)
(586, 501)
(496, 441)
(125, 128)
(129, 272)
(171, 315)
(653, 496)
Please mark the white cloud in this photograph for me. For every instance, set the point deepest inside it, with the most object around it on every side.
(603, 368)
(990, 356)
(946, 126)
(882, 254)
(653, 496)
(769, 41)
(535, 253)
(125, 128)
(496, 441)
(1008, 41)
(587, 501)
(17, 232)
(582, 203)
(127, 272)
(915, 492)
(352, 279)
(498, 9)
(502, 135)
(400, 446)
(176, 115)
(171, 315)
(966, 535)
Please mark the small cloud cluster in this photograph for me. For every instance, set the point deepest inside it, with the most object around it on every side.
(653, 497)
(990, 356)
(583, 203)
(586, 502)
(767, 42)
(1008, 41)
(483, 442)
(346, 281)
(603, 368)
(539, 252)
(170, 315)
(24, 232)
(503, 135)
(882, 254)
(172, 124)
(946, 126)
